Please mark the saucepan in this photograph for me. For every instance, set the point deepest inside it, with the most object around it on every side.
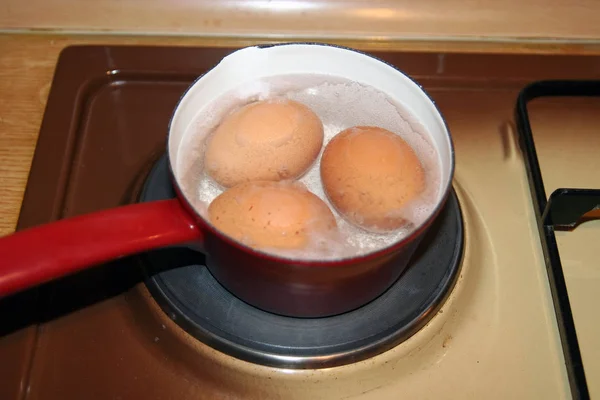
(279, 284)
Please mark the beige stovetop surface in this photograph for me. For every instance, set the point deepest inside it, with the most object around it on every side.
(495, 337)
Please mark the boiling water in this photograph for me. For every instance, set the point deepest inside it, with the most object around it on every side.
(340, 104)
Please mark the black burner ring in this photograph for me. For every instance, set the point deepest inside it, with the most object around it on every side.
(190, 295)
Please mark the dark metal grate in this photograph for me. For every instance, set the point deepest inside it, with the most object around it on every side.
(562, 210)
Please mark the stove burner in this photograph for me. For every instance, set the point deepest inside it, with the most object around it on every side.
(191, 296)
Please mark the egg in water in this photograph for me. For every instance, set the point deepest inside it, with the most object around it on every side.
(270, 215)
(371, 175)
(275, 139)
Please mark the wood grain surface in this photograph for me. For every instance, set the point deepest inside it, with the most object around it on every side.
(390, 19)
(27, 63)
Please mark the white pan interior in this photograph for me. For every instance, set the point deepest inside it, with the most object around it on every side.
(255, 63)
(398, 104)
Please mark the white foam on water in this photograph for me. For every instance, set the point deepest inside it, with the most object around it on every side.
(340, 104)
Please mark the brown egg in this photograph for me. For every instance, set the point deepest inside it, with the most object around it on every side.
(370, 174)
(266, 140)
(272, 215)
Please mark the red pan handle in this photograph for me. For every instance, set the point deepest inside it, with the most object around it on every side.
(40, 254)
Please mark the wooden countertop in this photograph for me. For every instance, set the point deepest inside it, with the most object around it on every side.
(27, 63)
(534, 20)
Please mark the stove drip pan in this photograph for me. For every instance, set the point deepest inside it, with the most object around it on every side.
(188, 293)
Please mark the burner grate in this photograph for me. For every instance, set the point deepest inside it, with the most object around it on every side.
(191, 296)
(564, 209)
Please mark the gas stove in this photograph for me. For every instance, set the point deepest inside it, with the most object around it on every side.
(477, 315)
